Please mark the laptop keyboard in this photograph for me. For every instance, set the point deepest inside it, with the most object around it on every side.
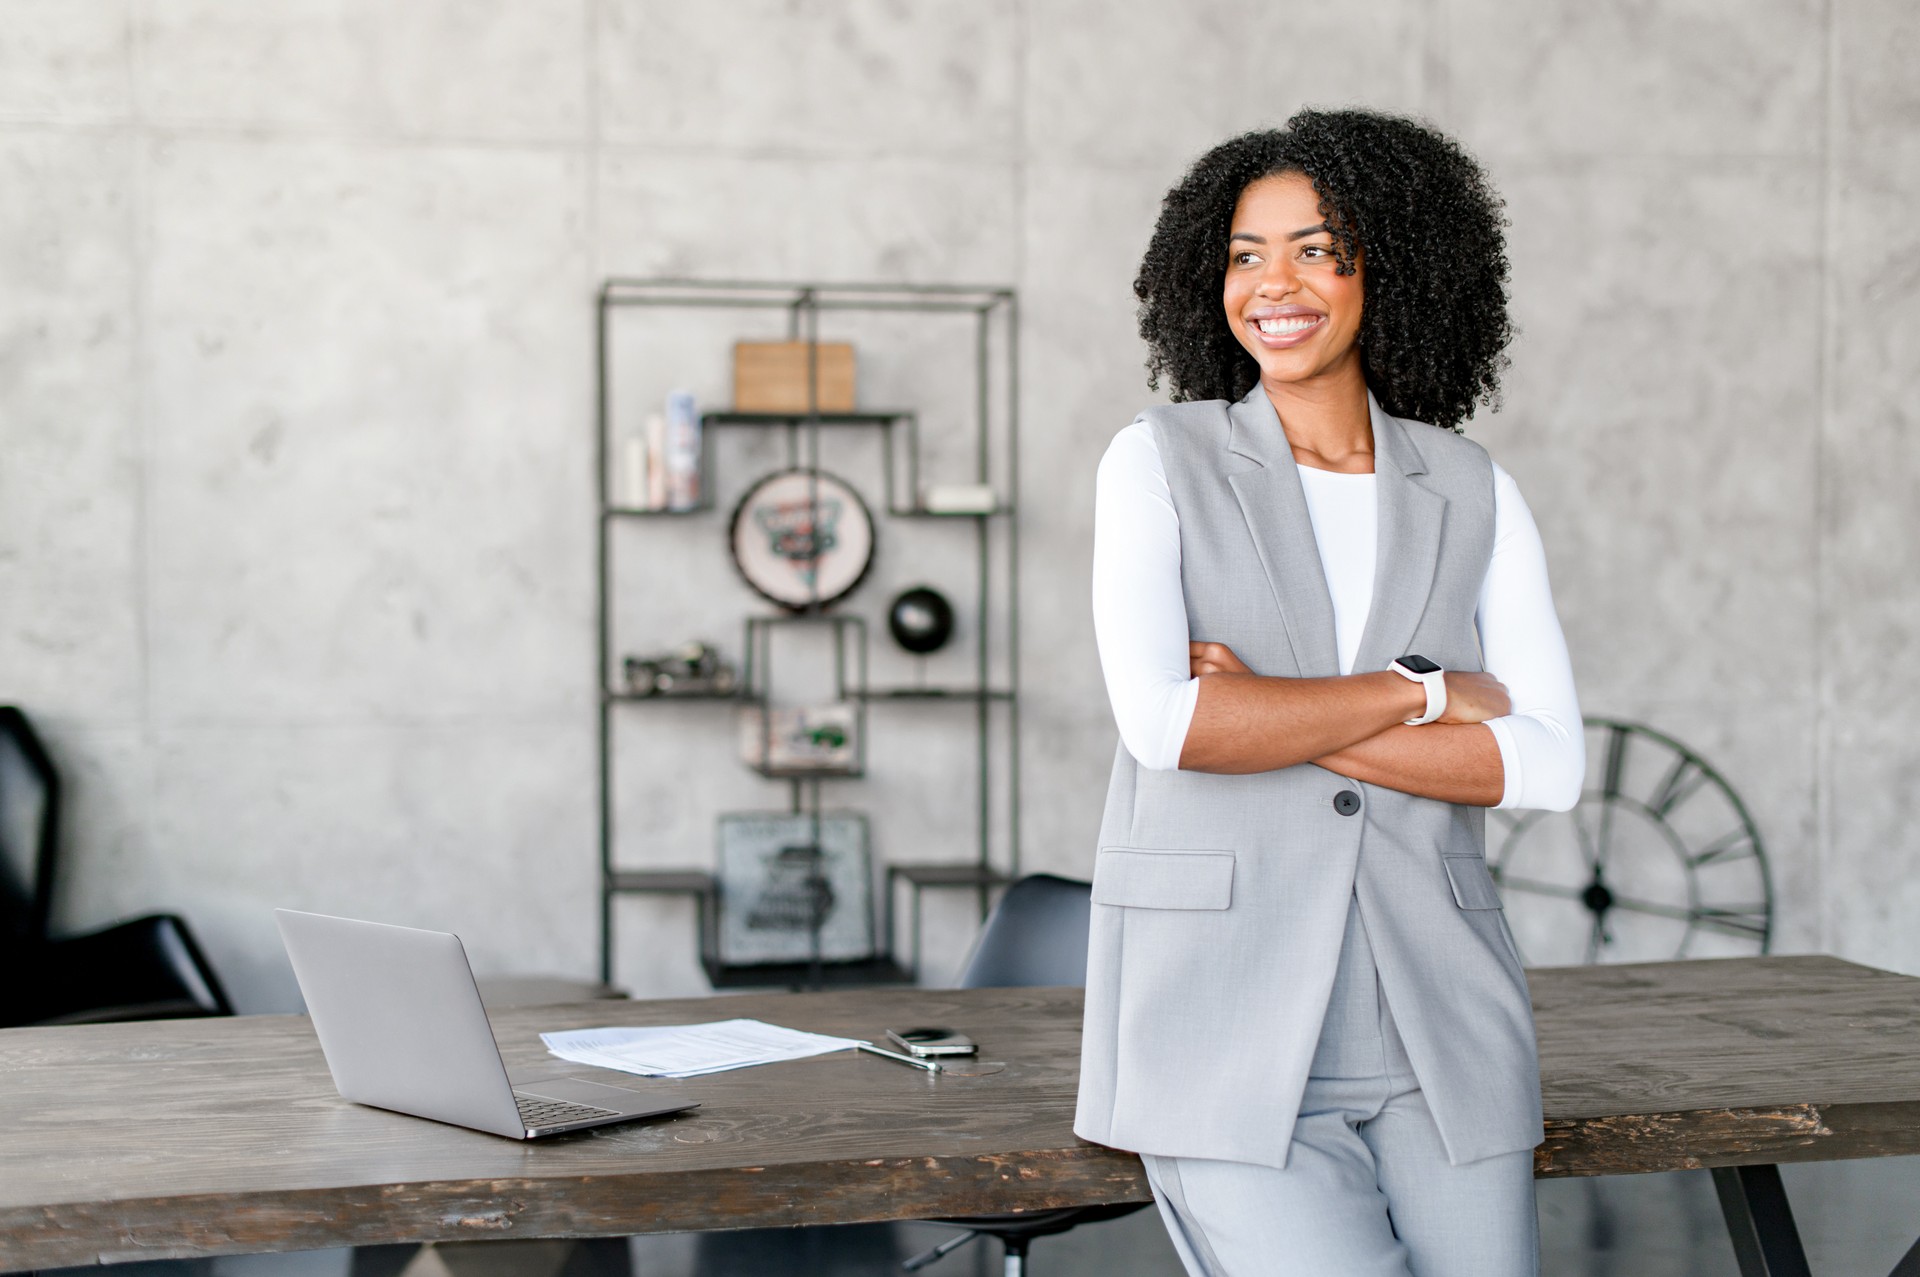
(538, 1113)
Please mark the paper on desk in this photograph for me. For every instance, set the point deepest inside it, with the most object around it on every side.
(689, 1050)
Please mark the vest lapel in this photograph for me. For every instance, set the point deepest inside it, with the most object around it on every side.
(1276, 512)
(1409, 549)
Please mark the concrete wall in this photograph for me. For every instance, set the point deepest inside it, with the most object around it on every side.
(296, 374)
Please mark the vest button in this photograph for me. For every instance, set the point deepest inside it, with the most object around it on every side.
(1346, 802)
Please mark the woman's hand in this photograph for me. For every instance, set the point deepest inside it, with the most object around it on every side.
(1474, 698)
(1218, 658)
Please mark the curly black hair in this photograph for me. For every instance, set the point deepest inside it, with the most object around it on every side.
(1433, 322)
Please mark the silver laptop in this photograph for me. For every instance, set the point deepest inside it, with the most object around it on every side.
(400, 1022)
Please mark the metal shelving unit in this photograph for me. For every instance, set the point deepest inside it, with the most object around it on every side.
(899, 441)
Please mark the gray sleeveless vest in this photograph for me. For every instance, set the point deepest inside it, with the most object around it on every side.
(1220, 902)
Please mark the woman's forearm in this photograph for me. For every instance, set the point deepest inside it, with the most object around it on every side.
(1243, 723)
(1454, 762)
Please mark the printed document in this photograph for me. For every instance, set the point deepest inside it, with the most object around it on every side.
(689, 1050)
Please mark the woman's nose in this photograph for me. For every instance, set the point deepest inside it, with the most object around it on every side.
(1278, 279)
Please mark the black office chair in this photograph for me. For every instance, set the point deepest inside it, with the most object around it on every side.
(1036, 935)
(148, 968)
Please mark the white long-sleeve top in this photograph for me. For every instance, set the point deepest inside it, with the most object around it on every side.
(1140, 616)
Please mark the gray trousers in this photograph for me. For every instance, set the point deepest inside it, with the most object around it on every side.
(1367, 1190)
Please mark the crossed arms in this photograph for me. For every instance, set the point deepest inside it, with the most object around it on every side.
(1353, 725)
(1183, 701)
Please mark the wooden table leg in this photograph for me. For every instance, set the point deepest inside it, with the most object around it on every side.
(1765, 1241)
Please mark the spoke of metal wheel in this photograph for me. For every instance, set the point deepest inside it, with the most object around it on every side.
(1743, 922)
(1604, 843)
(1538, 888)
(1595, 938)
(1610, 788)
(1682, 781)
(1679, 913)
(1589, 849)
(1746, 923)
(1735, 844)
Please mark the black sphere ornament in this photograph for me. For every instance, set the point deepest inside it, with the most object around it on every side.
(921, 620)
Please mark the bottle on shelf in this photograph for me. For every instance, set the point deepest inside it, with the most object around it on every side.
(630, 488)
(656, 493)
(682, 452)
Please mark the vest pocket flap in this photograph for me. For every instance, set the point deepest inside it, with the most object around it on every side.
(1472, 885)
(1163, 879)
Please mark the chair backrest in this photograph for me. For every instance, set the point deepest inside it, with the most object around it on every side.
(29, 832)
(1036, 935)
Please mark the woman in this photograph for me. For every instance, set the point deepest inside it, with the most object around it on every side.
(1326, 630)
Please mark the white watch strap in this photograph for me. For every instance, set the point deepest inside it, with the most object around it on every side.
(1435, 684)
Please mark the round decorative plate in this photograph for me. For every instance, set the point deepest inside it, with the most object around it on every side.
(1658, 860)
(802, 538)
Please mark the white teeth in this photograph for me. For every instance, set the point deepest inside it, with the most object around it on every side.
(1291, 324)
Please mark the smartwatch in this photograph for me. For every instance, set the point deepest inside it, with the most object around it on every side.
(1432, 677)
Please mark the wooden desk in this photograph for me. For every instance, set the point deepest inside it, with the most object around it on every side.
(1734, 1064)
(224, 1136)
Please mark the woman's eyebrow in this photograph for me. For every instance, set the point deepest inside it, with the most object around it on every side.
(1302, 233)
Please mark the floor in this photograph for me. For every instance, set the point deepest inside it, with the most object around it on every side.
(1856, 1218)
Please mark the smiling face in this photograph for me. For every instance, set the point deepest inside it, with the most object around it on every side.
(1285, 299)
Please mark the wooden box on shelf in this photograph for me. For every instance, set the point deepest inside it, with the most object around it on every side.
(771, 376)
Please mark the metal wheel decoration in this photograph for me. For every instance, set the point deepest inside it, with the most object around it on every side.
(1658, 860)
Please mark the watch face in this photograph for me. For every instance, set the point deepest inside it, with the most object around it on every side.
(1419, 664)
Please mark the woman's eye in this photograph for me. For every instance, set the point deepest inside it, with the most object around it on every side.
(1239, 258)
(1315, 250)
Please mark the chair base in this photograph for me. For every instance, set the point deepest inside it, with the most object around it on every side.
(1016, 1232)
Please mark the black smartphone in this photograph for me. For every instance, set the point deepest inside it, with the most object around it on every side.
(926, 1042)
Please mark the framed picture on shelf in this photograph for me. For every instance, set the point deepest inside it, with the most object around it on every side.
(812, 740)
(785, 876)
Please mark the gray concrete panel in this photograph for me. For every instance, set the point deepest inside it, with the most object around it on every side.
(1871, 468)
(427, 68)
(474, 827)
(819, 78)
(369, 484)
(65, 62)
(1703, 78)
(70, 447)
